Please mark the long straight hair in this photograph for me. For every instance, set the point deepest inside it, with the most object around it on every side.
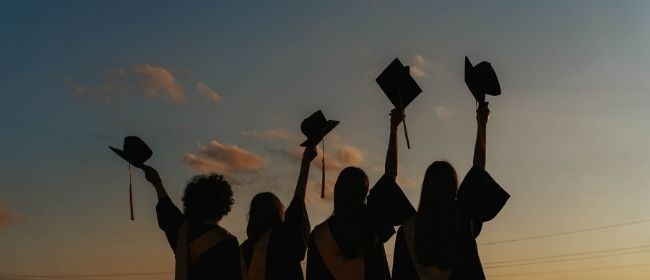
(266, 212)
(436, 220)
(350, 193)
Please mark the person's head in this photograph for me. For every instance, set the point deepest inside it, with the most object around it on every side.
(207, 198)
(265, 212)
(438, 187)
(350, 191)
(435, 225)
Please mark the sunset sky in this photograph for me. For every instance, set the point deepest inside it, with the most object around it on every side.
(224, 86)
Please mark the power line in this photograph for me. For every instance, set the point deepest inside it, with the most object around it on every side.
(563, 233)
(580, 195)
(570, 271)
(569, 259)
(566, 255)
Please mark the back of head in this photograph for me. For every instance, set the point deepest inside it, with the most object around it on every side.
(436, 220)
(350, 192)
(207, 198)
(266, 211)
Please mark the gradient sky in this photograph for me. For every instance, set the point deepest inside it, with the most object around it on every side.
(223, 87)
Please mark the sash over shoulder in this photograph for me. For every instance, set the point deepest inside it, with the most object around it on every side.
(340, 267)
(188, 254)
(256, 270)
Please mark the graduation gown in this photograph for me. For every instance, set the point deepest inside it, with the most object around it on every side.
(387, 206)
(286, 245)
(479, 200)
(219, 262)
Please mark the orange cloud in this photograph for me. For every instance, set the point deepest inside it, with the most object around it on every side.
(342, 157)
(208, 92)
(7, 215)
(409, 182)
(417, 69)
(339, 154)
(229, 160)
(158, 82)
(150, 80)
(314, 189)
(273, 134)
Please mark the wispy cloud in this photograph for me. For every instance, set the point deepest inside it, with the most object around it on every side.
(141, 79)
(209, 93)
(229, 160)
(409, 182)
(315, 186)
(158, 82)
(7, 215)
(338, 152)
(418, 66)
(273, 134)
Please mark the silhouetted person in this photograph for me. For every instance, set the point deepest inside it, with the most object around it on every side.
(203, 249)
(438, 242)
(350, 243)
(277, 239)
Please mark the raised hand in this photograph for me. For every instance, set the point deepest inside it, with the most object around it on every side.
(396, 117)
(151, 174)
(482, 113)
(309, 154)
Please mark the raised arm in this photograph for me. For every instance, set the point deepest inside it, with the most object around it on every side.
(482, 114)
(152, 176)
(307, 156)
(390, 168)
(169, 216)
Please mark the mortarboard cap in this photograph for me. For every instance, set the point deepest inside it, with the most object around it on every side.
(481, 80)
(135, 151)
(398, 85)
(390, 203)
(480, 196)
(315, 127)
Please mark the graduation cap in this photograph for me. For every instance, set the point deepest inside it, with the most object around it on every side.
(480, 196)
(400, 87)
(481, 80)
(136, 153)
(387, 192)
(315, 127)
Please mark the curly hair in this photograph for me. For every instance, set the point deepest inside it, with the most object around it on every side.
(207, 197)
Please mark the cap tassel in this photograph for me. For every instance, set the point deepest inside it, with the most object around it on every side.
(131, 195)
(322, 187)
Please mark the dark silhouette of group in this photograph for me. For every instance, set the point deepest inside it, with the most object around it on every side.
(436, 241)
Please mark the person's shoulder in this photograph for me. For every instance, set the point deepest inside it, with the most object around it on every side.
(226, 232)
(231, 242)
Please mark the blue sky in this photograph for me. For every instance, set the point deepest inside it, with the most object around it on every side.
(567, 139)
